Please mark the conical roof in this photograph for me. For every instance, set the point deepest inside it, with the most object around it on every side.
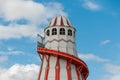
(60, 21)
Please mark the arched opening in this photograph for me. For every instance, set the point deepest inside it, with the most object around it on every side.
(69, 32)
(62, 31)
(54, 31)
(48, 32)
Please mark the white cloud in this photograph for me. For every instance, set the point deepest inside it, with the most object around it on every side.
(20, 72)
(3, 59)
(105, 42)
(10, 48)
(11, 52)
(113, 72)
(35, 13)
(89, 57)
(88, 4)
(18, 31)
(113, 69)
(28, 9)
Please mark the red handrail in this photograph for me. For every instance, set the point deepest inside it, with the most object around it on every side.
(75, 60)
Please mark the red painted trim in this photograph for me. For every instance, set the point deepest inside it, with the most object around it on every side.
(55, 22)
(80, 68)
(41, 67)
(83, 77)
(62, 24)
(74, 60)
(59, 41)
(86, 75)
(47, 68)
(68, 68)
(57, 70)
(78, 73)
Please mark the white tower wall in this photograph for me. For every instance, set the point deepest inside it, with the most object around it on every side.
(59, 42)
(63, 43)
(63, 69)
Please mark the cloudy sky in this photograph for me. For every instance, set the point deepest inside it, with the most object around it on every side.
(98, 35)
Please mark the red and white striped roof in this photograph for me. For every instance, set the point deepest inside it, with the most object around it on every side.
(60, 21)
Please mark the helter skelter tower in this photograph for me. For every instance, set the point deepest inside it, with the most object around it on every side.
(59, 60)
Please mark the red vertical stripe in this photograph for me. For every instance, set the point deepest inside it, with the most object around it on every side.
(68, 67)
(55, 22)
(83, 77)
(47, 69)
(41, 68)
(57, 70)
(67, 22)
(78, 73)
(61, 22)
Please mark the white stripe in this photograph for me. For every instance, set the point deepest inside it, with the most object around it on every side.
(52, 63)
(65, 21)
(52, 21)
(43, 69)
(58, 20)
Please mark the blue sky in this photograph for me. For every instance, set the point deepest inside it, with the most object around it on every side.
(97, 37)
